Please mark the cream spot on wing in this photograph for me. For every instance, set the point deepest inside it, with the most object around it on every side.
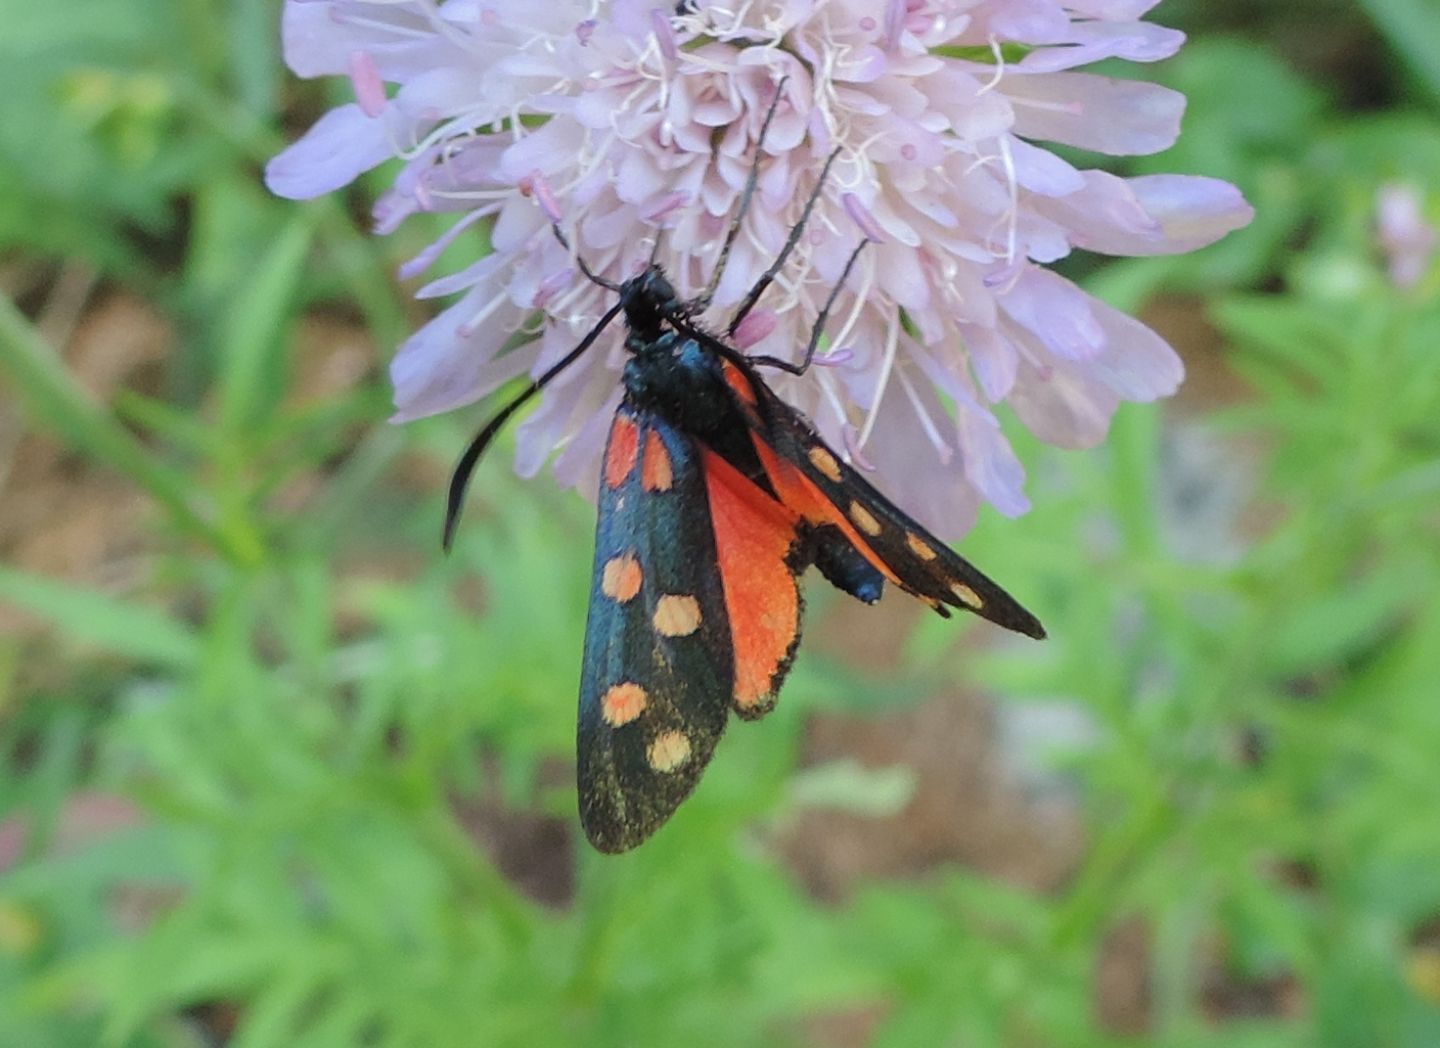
(919, 546)
(669, 750)
(864, 520)
(622, 704)
(825, 463)
(967, 595)
(677, 615)
(620, 578)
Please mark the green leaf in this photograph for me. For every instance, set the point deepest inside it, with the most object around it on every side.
(1412, 28)
(115, 625)
(57, 402)
(253, 342)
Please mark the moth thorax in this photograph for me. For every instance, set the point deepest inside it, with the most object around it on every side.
(678, 379)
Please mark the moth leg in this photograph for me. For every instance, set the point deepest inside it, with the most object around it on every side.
(820, 320)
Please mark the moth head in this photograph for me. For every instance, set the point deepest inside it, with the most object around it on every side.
(648, 299)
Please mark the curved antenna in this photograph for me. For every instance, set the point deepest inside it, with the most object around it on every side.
(590, 274)
(460, 479)
(766, 278)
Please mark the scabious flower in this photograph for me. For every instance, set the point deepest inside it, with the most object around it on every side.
(638, 120)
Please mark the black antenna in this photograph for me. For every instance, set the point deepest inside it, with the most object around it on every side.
(466, 466)
(796, 231)
(584, 268)
(460, 479)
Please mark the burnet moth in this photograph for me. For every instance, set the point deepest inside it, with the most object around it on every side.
(715, 495)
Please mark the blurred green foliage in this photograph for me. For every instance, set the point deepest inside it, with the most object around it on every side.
(297, 722)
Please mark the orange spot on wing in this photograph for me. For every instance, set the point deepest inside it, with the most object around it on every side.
(801, 495)
(620, 452)
(656, 471)
(622, 703)
(864, 519)
(753, 534)
(736, 380)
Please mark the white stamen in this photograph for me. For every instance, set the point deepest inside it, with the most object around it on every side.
(999, 53)
(857, 306)
(472, 324)
(942, 448)
(887, 364)
(853, 450)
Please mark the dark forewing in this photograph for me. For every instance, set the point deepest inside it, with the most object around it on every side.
(658, 671)
(815, 482)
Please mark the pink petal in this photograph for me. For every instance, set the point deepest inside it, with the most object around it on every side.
(452, 361)
(1112, 10)
(992, 358)
(1136, 363)
(1042, 172)
(1056, 312)
(990, 462)
(1119, 117)
(910, 471)
(1150, 215)
(343, 144)
(1092, 41)
(569, 402)
(1192, 210)
(1058, 402)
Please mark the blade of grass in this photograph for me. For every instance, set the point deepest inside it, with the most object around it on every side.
(56, 401)
(254, 331)
(1410, 27)
(119, 626)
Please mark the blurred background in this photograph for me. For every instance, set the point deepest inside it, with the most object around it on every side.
(273, 771)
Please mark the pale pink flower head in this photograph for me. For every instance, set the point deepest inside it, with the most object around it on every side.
(1408, 239)
(633, 120)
